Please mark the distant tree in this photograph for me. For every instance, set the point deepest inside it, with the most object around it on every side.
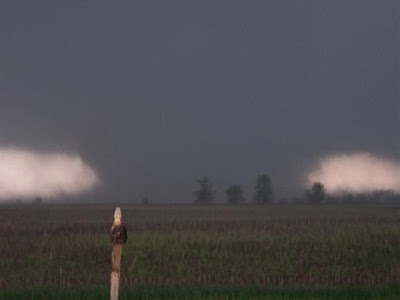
(145, 200)
(317, 193)
(234, 194)
(205, 193)
(37, 201)
(264, 192)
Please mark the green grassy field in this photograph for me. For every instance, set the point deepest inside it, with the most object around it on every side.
(213, 252)
(391, 292)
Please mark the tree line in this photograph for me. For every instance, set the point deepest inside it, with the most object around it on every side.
(264, 194)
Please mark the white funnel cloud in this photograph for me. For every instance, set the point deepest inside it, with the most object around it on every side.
(27, 174)
(356, 173)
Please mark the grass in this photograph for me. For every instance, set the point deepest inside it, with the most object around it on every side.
(390, 292)
(227, 251)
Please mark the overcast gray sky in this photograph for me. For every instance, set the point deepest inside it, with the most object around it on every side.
(156, 94)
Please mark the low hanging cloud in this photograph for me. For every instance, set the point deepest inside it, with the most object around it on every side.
(26, 174)
(356, 173)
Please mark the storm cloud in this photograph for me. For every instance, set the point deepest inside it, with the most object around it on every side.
(157, 94)
(357, 172)
(26, 174)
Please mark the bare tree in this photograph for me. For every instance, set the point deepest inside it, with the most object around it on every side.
(234, 194)
(205, 194)
(264, 192)
(317, 193)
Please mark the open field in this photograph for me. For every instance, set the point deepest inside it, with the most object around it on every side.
(226, 247)
(242, 293)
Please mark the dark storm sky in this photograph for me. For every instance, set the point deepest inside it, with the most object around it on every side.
(156, 94)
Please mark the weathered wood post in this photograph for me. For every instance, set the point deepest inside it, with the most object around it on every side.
(118, 236)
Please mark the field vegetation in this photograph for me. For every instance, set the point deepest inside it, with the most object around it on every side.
(237, 248)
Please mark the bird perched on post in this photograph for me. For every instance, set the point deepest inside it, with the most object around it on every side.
(118, 233)
(118, 236)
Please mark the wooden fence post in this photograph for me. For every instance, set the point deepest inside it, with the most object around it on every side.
(118, 237)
